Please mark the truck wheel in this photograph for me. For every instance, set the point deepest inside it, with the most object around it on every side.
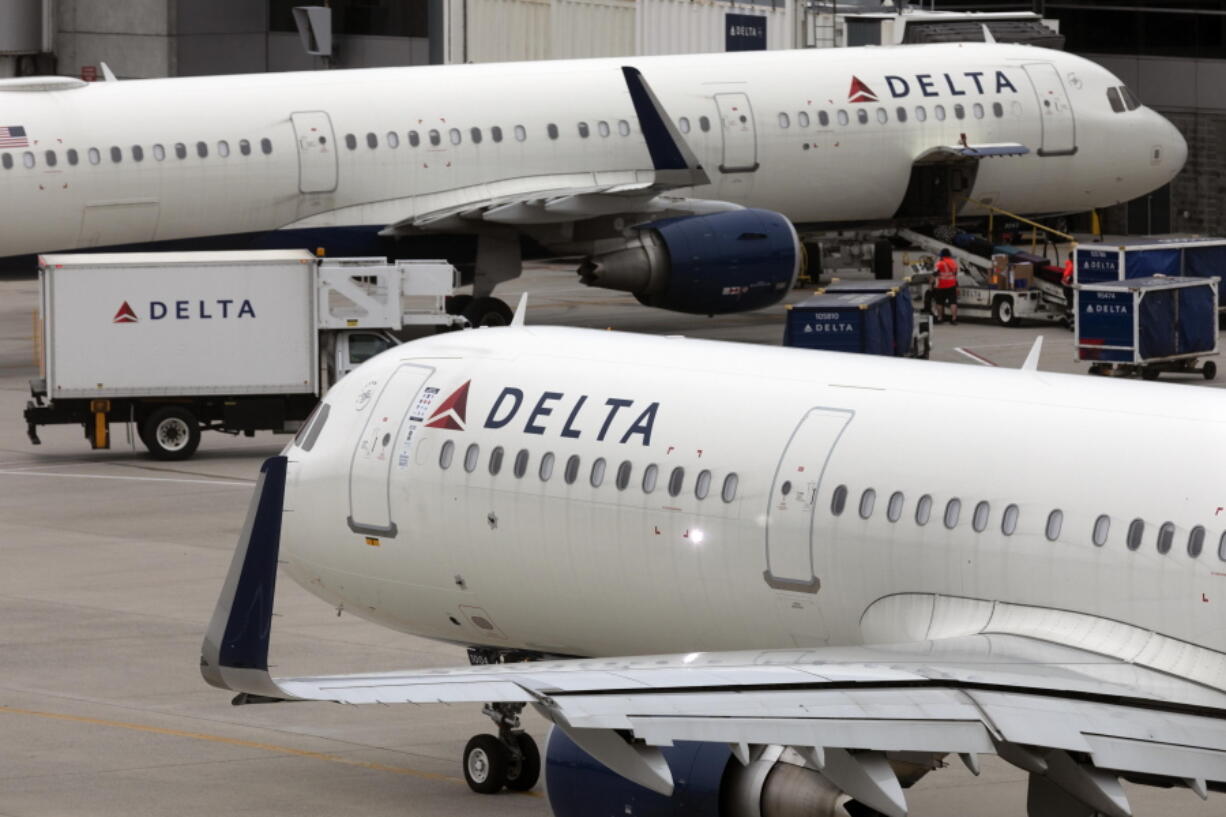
(1149, 372)
(171, 433)
(488, 312)
(456, 304)
(1209, 370)
(1002, 312)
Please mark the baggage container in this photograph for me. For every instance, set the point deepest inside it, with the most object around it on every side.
(842, 322)
(912, 333)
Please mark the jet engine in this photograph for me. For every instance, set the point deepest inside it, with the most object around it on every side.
(730, 261)
(707, 780)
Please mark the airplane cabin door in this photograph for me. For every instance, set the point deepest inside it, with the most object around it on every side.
(370, 510)
(316, 151)
(794, 492)
(740, 136)
(1055, 110)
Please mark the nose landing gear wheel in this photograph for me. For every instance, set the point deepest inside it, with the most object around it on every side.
(486, 759)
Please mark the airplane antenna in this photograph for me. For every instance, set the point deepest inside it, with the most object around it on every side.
(1032, 359)
(987, 34)
(521, 310)
(107, 74)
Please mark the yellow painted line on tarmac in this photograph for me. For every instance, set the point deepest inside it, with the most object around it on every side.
(248, 744)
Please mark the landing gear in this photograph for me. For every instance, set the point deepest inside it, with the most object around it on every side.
(487, 311)
(510, 760)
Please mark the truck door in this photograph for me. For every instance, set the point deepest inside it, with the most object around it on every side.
(316, 151)
(1055, 111)
(370, 509)
(793, 497)
(740, 136)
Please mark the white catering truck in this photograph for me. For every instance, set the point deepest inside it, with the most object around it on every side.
(177, 343)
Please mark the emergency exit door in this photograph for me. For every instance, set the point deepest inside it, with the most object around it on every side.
(316, 151)
(1055, 112)
(793, 499)
(370, 470)
(740, 136)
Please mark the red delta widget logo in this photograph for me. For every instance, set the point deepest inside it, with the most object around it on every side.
(220, 308)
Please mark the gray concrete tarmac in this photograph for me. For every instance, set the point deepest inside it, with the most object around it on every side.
(110, 564)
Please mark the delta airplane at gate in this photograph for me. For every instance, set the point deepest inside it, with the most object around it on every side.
(825, 603)
(677, 178)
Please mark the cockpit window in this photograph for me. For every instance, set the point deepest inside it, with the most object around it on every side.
(363, 347)
(309, 432)
(1113, 96)
(1130, 99)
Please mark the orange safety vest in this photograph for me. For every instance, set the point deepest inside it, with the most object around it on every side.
(947, 273)
(1067, 278)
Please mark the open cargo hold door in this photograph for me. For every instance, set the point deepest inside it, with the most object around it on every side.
(940, 181)
(316, 151)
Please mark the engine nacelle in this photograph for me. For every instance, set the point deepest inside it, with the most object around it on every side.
(707, 782)
(721, 262)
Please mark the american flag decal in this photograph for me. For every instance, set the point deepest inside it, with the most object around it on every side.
(13, 136)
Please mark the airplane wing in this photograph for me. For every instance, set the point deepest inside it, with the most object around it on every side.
(1077, 719)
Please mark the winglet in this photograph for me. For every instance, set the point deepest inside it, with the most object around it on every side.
(1032, 359)
(672, 158)
(521, 311)
(234, 654)
(107, 74)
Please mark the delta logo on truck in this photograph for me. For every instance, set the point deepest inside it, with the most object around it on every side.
(223, 308)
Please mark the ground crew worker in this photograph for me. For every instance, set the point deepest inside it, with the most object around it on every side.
(945, 291)
(1066, 283)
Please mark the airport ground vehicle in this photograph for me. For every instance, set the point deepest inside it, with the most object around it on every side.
(173, 344)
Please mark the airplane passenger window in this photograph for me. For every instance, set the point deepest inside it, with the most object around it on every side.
(202, 150)
(702, 486)
(921, 113)
(571, 472)
(372, 141)
(116, 154)
(900, 113)
(923, 510)
(266, 146)
(552, 130)
(939, 112)
(602, 128)
(545, 470)
(1136, 529)
(1008, 520)
(882, 116)
(496, 133)
(893, 511)
(393, 139)
(867, 500)
(998, 110)
(650, 473)
(1166, 537)
(802, 119)
(521, 463)
(94, 156)
(1221, 547)
(623, 475)
(784, 120)
(27, 159)
(521, 133)
(862, 116)
(684, 124)
(676, 480)
(475, 135)
(953, 509)
(1129, 99)
(597, 477)
(180, 150)
(979, 521)
(1055, 521)
(414, 139)
(159, 153)
(704, 124)
(823, 118)
(842, 117)
(7, 160)
(729, 490)
(838, 500)
(454, 136)
(244, 147)
(50, 158)
(472, 455)
(977, 109)
(351, 141)
(223, 148)
(623, 127)
(584, 132)
(434, 138)
(496, 460)
(445, 455)
(1102, 526)
(1196, 541)
(959, 111)
(138, 153)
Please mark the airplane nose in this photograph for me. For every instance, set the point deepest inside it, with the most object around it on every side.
(1177, 149)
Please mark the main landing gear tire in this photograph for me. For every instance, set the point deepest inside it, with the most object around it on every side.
(488, 312)
(523, 771)
(490, 764)
(456, 304)
(171, 433)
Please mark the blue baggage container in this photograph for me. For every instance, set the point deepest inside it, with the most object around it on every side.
(902, 309)
(1143, 320)
(842, 322)
(1171, 257)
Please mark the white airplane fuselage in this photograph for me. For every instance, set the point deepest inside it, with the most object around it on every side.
(574, 564)
(155, 160)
